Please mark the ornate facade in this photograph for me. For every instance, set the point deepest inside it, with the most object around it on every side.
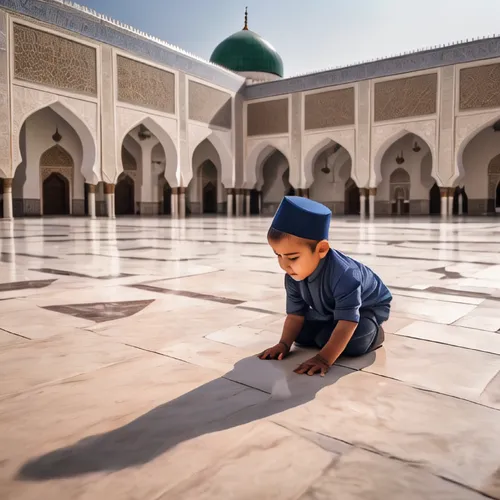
(99, 119)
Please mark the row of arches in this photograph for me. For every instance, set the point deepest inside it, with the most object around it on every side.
(50, 179)
(407, 186)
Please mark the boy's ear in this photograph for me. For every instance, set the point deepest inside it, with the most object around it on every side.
(323, 247)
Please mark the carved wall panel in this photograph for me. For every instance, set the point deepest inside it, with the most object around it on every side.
(405, 97)
(209, 105)
(52, 60)
(479, 87)
(145, 85)
(267, 117)
(56, 156)
(5, 163)
(334, 108)
(66, 172)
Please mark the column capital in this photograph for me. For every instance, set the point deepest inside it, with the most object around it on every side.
(451, 191)
(372, 191)
(7, 184)
(92, 188)
(363, 192)
(443, 191)
(109, 188)
(230, 190)
(182, 190)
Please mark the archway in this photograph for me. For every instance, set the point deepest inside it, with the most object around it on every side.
(494, 183)
(208, 176)
(460, 201)
(274, 181)
(352, 205)
(254, 202)
(435, 200)
(167, 199)
(400, 192)
(479, 163)
(205, 193)
(56, 166)
(47, 144)
(124, 195)
(331, 170)
(55, 194)
(407, 163)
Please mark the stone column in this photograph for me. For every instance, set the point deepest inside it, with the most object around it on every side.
(239, 204)
(91, 201)
(7, 199)
(182, 202)
(247, 201)
(109, 196)
(230, 201)
(362, 202)
(174, 202)
(444, 201)
(451, 194)
(372, 192)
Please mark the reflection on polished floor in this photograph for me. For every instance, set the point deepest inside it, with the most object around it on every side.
(128, 368)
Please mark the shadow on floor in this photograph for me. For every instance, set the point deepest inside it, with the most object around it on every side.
(218, 405)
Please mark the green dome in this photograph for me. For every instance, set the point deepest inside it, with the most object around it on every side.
(246, 51)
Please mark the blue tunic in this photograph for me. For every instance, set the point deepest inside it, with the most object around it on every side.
(339, 289)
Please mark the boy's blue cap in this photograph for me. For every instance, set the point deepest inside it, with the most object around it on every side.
(303, 218)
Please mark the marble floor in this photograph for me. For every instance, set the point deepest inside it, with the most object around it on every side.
(128, 367)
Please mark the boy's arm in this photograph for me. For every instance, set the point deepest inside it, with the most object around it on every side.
(339, 339)
(291, 329)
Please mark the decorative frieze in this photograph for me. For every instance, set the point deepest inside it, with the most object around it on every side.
(267, 117)
(144, 85)
(334, 108)
(54, 61)
(406, 97)
(480, 87)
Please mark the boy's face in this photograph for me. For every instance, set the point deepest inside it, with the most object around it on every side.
(296, 257)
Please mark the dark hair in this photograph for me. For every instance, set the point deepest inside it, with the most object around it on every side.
(276, 235)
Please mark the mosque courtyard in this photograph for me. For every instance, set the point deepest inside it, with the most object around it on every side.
(128, 365)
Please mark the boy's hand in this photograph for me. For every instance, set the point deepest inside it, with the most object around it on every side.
(279, 351)
(318, 364)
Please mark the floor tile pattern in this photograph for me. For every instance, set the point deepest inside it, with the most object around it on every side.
(128, 367)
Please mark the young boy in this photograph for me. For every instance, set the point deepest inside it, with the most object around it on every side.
(333, 302)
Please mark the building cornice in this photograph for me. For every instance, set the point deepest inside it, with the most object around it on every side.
(464, 52)
(88, 23)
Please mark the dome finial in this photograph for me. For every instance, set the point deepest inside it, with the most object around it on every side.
(246, 19)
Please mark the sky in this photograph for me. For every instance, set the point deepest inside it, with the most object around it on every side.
(311, 35)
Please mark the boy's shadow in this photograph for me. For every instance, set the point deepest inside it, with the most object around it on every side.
(262, 389)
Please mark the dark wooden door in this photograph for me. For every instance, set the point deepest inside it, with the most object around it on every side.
(55, 195)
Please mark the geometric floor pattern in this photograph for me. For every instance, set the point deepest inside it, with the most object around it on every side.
(128, 367)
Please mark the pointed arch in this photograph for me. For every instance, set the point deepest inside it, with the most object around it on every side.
(225, 159)
(258, 156)
(315, 151)
(165, 140)
(89, 147)
(467, 128)
(56, 156)
(382, 145)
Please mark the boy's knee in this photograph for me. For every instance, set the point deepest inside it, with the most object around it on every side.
(364, 337)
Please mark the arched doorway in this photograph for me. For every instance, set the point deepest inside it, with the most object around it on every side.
(167, 199)
(435, 200)
(400, 192)
(352, 205)
(273, 176)
(56, 166)
(494, 184)
(254, 202)
(460, 201)
(208, 178)
(124, 196)
(497, 199)
(55, 193)
(210, 198)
